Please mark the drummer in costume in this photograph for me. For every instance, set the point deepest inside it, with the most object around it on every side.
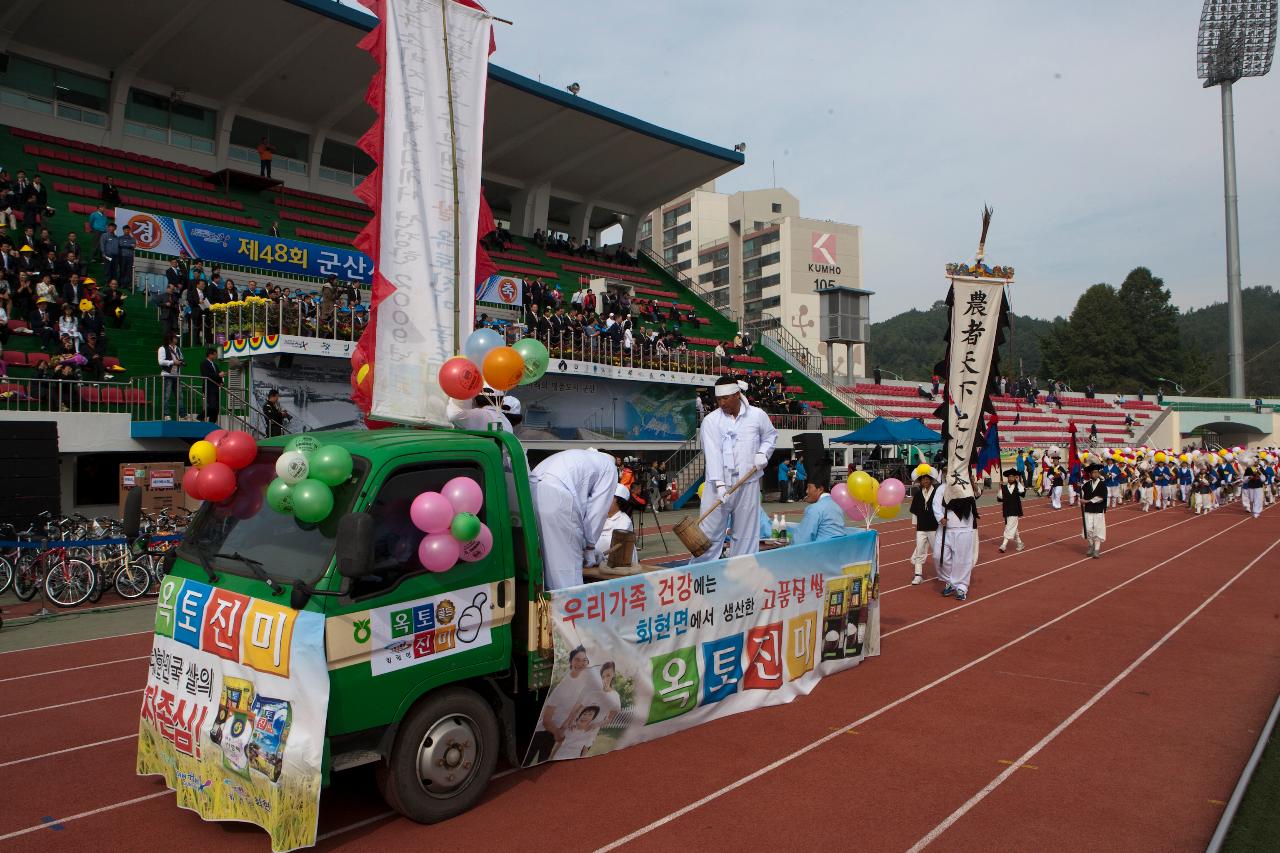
(1094, 510)
(1251, 488)
(1113, 476)
(1185, 479)
(1010, 498)
(737, 441)
(923, 497)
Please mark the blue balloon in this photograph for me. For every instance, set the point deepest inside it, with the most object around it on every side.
(479, 343)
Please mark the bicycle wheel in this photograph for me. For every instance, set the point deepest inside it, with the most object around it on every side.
(26, 576)
(6, 574)
(133, 579)
(99, 584)
(68, 582)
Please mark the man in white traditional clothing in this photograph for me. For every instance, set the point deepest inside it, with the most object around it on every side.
(737, 441)
(619, 519)
(956, 548)
(572, 492)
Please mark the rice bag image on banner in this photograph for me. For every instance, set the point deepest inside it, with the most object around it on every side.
(237, 698)
(235, 744)
(271, 720)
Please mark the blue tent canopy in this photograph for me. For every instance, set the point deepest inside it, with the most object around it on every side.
(885, 431)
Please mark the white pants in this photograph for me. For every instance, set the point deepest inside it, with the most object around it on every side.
(1252, 499)
(561, 529)
(744, 507)
(1071, 495)
(954, 553)
(1095, 528)
(1185, 491)
(1011, 531)
(924, 546)
(1055, 495)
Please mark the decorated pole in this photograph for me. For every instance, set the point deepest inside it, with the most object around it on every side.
(978, 321)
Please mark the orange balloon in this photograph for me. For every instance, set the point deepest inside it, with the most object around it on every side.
(503, 368)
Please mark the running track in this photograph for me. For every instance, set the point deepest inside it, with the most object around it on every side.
(1069, 704)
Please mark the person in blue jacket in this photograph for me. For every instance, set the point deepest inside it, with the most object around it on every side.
(1185, 479)
(1113, 476)
(1160, 476)
(823, 518)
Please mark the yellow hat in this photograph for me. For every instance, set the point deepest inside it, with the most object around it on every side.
(119, 312)
(86, 305)
(89, 281)
(26, 248)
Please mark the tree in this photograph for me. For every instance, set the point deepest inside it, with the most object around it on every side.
(1152, 347)
(1088, 347)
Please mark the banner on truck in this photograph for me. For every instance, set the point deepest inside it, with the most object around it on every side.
(641, 657)
(215, 244)
(234, 709)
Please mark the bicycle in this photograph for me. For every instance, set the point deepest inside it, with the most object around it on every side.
(8, 557)
(68, 580)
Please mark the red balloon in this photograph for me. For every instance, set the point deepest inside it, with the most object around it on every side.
(216, 436)
(460, 379)
(237, 449)
(217, 481)
(191, 483)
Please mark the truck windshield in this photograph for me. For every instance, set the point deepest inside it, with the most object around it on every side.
(245, 526)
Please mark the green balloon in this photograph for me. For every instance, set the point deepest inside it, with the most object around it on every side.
(303, 443)
(280, 496)
(535, 357)
(465, 527)
(330, 465)
(312, 501)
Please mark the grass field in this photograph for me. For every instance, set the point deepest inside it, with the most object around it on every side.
(1256, 827)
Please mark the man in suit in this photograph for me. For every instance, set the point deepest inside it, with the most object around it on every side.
(213, 379)
(923, 497)
(176, 275)
(44, 325)
(110, 194)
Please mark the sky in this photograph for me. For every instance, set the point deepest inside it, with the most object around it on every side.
(1082, 124)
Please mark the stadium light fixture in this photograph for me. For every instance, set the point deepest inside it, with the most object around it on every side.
(573, 88)
(741, 147)
(1237, 39)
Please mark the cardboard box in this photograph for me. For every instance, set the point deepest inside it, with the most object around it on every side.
(161, 484)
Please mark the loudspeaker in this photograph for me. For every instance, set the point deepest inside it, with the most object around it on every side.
(809, 448)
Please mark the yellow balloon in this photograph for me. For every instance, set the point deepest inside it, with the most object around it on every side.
(863, 486)
(202, 453)
(700, 488)
(888, 511)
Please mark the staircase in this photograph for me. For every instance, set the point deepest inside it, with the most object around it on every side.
(686, 468)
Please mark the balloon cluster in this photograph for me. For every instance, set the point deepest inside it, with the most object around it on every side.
(863, 497)
(454, 530)
(306, 473)
(486, 361)
(215, 460)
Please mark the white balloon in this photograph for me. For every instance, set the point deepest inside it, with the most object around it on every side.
(292, 467)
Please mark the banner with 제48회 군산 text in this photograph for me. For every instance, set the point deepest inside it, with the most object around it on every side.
(643, 656)
(233, 714)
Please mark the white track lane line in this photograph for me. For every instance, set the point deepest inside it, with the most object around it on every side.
(131, 736)
(1031, 753)
(65, 820)
(72, 668)
(843, 730)
(68, 704)
(74, 642)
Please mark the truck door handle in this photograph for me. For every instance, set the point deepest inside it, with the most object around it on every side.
(502, 595)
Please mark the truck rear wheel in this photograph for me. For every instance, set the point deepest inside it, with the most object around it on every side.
(443, 756)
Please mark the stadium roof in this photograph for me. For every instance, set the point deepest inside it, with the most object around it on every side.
(297, 60)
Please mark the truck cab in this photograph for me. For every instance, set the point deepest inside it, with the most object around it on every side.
(432, 676)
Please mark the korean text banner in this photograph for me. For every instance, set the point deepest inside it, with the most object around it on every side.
(165, 235)
(501, 290)
(234, 710)
(640, 657)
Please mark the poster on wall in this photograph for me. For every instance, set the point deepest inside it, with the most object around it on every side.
(565, 407)
(234, 709)
(314, 390)
(643, 656)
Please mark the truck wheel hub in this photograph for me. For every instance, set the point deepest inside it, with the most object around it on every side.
(449, 755)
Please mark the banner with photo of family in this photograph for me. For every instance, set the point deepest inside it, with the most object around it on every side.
(234, 710)
(644, 656)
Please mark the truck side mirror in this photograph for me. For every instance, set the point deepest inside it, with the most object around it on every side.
(132, 519)
(355, 545)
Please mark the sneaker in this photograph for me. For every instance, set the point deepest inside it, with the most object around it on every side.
(962, 596)
(1018, 547)
(917, 580)
(1096, 553)
(1001, 549)
(948, 590)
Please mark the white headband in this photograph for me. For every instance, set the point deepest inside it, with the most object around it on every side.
(727, 390)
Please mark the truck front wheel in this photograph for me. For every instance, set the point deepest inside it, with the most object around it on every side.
(443, 756)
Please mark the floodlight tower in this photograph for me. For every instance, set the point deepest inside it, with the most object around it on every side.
(1237, 39)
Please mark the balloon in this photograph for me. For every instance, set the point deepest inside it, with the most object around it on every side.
(312, 501)
(888, 511)
(860, 511)
(280, 496)
(246, 504)
(464, 527)
(216, 436)
(330, 465)
(840, 494)
(257, 476)
(478, 345)
(863, 486)
(460, 379)
(464, 494)
(701, 486)
(303, 444)
(890, 493)
(191, 483)
(237, 449)
(292, 467)
(217, 481)
(477, 549)
(431, 512)
(503, 368)
(202, 453)
(438, 552)
(535, 357)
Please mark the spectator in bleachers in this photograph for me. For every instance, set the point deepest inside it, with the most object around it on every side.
(266, 151)
(127, 245)
(170, 304)
(23, 296)
(18, 189)
(877, 376)
(110, 194)
(197, 311)
(109, 246)
(175, 276)
(44, 323)
(73, 245)
(1142, 395)
(113, 304)
(69, 325)
(539, 238)
(1089, 391)
(213, 379)
(34, 200)
(98, 225)
(275, 229)
(169, 357)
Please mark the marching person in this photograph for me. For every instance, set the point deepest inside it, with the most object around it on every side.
(1057, 478)
(1185, 478)
(737, 440)
(956, 549)
(1010, 498)
(1094, 506)
(823, 518)
(1251, 488)
(922, 500)
(572, 493)
(1113, 475)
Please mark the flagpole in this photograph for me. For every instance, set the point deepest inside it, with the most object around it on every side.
(453, 159)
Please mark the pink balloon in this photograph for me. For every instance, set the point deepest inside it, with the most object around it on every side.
(216, 436)
(840, 494)
(438, 552)
(217, 482)
(890, 493)
(477, 549)
(859, 511)
(431, 512)
(464, 494)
